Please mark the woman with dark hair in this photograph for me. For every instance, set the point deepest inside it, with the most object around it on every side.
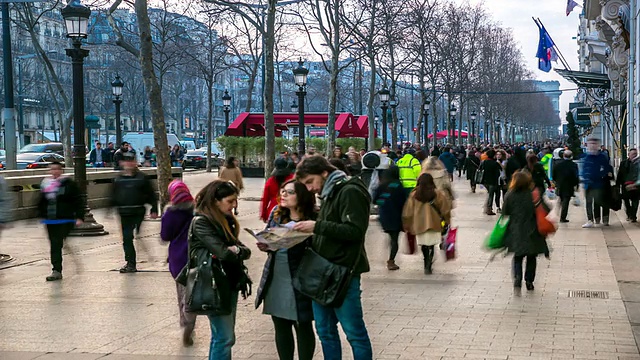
(215, 229)
(522, 237)
(288, 308)
(281, 174)
(390, 198)
(538, 175)
(423, 214)
(231, 172)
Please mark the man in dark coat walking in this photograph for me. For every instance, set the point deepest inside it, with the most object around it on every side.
(491, 180)
(628, 175)
(565, 174)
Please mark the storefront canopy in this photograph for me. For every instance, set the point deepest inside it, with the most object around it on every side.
(444, 133)
(252, 124)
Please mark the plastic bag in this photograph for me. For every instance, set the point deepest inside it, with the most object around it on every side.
(495, 240)
(576, 201)
(450, 244)
(551, 194)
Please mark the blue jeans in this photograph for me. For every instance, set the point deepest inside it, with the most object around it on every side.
(223, 335)
(350, 317)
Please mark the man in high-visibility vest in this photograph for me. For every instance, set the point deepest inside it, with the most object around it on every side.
(410, 169)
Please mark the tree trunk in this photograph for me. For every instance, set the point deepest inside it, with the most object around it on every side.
(250, 87)
(372, 98)
(333, 98)
(209, 122)
(267, 96)
(155, 99)
(434, 114)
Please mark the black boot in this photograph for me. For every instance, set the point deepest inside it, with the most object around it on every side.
(426, 253)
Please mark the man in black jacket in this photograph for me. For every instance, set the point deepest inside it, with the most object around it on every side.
(628, 175)
(131, 192)
(120, 154)
(566, 175)
(491, 180)
(338, 236)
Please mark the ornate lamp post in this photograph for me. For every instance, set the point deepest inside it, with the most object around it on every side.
(226, 103)
(384, 105)
(393, 103)
(425, 135)
(452, 122)
(300, 76)
(473, 126)
(76, 17)
(401, 122)
(116, 90)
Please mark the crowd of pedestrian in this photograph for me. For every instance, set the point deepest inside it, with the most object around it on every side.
(414, 195)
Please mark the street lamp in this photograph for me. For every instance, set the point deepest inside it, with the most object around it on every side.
(116, 90)
(473, 126)
(384, 105)
(425, 111)
(401, 122)
(376, 120)
(300, 76)
(226, 103)
(595, 116)
(393, 103)
(76, 17)
(452, 121)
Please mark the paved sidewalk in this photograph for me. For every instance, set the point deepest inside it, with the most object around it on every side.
(464, 310)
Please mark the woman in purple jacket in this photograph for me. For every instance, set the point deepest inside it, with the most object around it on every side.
(175, 228)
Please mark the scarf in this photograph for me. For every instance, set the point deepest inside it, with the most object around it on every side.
(50, 188)
(332, 180)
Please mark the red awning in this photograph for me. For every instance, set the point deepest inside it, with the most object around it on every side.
(252, 124)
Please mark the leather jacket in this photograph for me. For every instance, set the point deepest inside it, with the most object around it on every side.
(204, 233)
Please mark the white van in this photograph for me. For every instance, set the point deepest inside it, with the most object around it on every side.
(143, 139)
(188, 144)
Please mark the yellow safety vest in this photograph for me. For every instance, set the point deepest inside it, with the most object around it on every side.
(410, 169)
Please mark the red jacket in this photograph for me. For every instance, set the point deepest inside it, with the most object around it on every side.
(270, 196)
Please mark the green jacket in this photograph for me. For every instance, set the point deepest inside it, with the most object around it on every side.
(342, 225)
(546, 161)
(410, 169)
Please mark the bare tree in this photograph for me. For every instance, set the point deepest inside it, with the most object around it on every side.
(209, 62)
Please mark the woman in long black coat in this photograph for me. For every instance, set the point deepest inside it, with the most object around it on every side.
(472, 163)
(522, 237)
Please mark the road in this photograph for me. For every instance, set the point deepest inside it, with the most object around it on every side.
(466, 309)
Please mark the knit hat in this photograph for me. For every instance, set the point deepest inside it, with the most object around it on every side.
(179, 192)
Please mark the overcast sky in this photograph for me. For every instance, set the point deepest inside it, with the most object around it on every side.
(517, 16)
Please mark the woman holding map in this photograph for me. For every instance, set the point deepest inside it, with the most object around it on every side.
(288, 308)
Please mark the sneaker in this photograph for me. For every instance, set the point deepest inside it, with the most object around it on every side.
(634, 220)
(55, 276)
(391, 265)
(564, 220)
(128, 268)
(490, 212)
(588, 225)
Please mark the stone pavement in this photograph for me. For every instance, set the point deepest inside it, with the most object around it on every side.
(466, 309)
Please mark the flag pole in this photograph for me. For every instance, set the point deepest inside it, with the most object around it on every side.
(560, 56)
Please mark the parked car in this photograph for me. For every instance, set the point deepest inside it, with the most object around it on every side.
(52, 147)
(196, 159)
(216, 159)
(36, 160)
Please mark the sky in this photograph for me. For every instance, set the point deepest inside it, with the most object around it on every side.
(517, 16)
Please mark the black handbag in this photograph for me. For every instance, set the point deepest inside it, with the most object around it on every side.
(480, 174)
(207, 287)
(321, 280)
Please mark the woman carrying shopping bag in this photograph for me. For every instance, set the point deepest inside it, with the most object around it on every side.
(423, 214)
(523, 237)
